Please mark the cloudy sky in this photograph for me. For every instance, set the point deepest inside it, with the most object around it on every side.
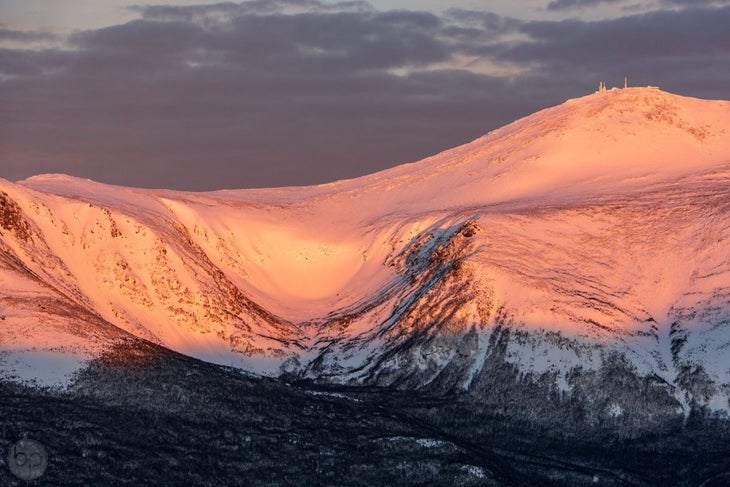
(203, 95)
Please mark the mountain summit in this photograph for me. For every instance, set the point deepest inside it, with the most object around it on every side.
(582, 249)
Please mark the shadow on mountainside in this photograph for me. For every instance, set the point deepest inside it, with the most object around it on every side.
(143, 415)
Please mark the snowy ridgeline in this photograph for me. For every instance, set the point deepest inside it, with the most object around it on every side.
(589, 231)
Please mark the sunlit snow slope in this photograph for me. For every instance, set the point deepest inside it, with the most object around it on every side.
(596, 229)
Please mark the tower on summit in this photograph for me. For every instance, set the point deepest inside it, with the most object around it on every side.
(602, 85)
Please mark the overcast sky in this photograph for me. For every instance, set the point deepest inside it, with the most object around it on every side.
(204, 95)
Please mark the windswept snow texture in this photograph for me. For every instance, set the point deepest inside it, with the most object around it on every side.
(594, 229)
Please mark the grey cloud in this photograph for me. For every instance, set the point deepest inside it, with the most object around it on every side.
(28, 64)
(141, 37)
(300, 43)
(477, 27)
(215, 12)
(259, 99)
(558, 5)
(695, 3)
(25, 36)
(351, 41)
(655, 34)
(571, 4)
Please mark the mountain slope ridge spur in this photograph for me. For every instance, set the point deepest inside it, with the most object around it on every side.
(586, 237)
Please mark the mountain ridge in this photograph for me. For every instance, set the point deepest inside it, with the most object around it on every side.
(588, 235)
(626, 110)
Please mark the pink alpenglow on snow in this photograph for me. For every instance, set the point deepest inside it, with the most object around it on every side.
(605, 219)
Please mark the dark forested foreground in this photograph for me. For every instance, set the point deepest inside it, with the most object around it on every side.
(147, 416)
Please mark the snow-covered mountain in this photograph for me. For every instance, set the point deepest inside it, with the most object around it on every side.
(584, 250)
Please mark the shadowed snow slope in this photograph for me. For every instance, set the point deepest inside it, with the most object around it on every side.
(593, 230)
